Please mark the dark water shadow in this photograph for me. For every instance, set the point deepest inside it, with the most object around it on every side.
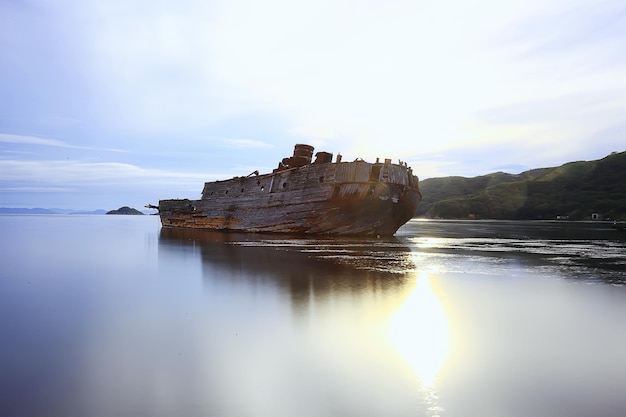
(299, 265)
(581, 251)
(513, 229)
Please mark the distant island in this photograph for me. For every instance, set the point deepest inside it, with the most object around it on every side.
(125, 210)
(582, 190)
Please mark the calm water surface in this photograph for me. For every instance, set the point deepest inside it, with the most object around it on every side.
(112, 316)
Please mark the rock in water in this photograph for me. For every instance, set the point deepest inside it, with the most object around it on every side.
(125, 210)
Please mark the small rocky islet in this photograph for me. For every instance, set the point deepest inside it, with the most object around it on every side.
(125, 210)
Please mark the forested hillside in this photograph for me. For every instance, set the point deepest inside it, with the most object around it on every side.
(576, 190)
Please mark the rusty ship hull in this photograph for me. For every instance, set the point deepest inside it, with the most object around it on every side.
(304, 197)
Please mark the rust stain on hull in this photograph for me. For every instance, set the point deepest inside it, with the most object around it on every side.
(198, 222)
(300, 197)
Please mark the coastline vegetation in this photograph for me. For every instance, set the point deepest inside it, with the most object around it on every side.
(574, 191)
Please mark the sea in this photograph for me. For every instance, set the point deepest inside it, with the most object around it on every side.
(104, 316)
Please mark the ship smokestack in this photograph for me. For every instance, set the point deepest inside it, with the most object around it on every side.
(323, 158)
(302, 155)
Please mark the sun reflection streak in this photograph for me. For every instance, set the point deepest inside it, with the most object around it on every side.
(420, 332)
(429, 242)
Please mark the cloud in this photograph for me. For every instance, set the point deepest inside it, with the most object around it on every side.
(36, 190)
(596, 28)
(35, 140)
(32, 140)
(243, 143)
(104, 174)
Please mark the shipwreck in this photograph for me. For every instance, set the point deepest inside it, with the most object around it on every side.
(304, 196)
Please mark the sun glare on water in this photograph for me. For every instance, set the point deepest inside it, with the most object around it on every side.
(420, 331)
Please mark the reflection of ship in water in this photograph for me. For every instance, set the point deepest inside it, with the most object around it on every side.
(303, 265)
(356, 292)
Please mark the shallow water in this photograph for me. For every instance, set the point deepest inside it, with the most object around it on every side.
(112, 316)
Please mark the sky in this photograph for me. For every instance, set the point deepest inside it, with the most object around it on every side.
(106, 103)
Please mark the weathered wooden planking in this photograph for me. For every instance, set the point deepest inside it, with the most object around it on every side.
(329, 198)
